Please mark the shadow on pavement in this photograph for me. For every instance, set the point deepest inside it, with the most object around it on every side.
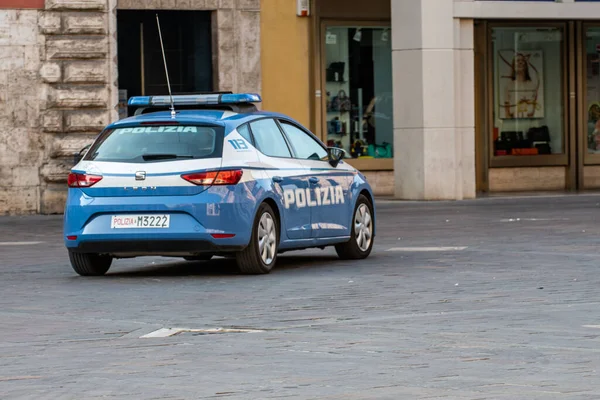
(218, 267)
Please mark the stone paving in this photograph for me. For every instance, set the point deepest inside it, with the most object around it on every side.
(484, 299)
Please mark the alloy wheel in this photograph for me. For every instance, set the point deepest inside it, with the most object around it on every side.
(363, 227)
(267, 238)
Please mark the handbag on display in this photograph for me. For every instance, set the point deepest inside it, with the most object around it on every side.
(335, 143)
(540, 139)
(341, 102)
(336, 127)
(543, 148)
(538, 134)
(335, 72)
(510, 140)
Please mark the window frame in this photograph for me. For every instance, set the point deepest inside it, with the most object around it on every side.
(219, 143)
(247, 125)
(307, 132)
(291, 157)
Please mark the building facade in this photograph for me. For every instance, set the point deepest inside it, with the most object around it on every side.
(432, 99)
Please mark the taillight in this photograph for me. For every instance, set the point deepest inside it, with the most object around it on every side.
(228, 177)
(82, 180)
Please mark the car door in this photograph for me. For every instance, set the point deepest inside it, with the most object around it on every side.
(331, 199)
(288, 175)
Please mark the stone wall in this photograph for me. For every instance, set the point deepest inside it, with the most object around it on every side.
(76, 89)
(58, 84)
(21, 144)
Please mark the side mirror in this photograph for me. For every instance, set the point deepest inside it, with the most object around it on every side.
(78, 156)
(335, 155)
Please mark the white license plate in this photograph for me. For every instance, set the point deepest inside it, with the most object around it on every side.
(140, 221)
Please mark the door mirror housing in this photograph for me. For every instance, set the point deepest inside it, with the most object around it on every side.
(335, 155)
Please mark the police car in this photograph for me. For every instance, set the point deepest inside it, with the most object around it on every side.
(217, 177)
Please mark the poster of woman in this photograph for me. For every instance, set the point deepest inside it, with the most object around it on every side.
(521, 84)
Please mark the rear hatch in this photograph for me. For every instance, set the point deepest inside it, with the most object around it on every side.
(151, 160)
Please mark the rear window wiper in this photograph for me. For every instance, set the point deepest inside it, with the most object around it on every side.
(147, 157)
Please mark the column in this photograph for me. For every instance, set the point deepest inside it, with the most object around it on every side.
(429, 147)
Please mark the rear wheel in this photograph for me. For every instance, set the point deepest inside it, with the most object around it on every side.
(87, 264)
(261, 254)
(203, 257)
(361, 241)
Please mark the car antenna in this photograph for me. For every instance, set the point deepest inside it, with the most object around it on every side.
(166, 70)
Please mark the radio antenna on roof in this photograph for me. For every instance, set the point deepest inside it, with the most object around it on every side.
(166, 70)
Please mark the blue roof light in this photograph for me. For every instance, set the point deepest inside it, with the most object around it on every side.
(139, 101)
(241, 98)
(195, 99)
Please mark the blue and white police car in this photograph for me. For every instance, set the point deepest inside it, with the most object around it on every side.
(217, 177)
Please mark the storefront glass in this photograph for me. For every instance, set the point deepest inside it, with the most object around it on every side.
(528, 100)
(592, 46)
(358, 90)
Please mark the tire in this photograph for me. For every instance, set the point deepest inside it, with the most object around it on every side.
(361, 238)
(87, 264)
(251, 260)
(203, 257)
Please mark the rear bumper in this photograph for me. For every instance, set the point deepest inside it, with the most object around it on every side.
(149, 247)
(193, 222)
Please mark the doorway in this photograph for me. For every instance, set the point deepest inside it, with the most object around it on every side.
(187, 41)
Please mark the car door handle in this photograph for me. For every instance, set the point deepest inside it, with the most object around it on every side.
(314, 180)
(277, 179)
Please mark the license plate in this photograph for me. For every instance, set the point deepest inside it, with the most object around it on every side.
(140, 221)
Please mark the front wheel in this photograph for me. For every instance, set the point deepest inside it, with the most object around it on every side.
(361, 239)
(87, 264)
(260, 255)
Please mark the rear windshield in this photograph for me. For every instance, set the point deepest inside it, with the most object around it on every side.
(157, 143)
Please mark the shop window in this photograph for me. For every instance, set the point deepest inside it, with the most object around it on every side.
(592, 46)
(358, 89)
(528, 104)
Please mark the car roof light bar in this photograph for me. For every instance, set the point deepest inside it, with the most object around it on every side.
(194, 99)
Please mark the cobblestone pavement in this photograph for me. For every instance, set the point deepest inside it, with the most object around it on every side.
(485, 299)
